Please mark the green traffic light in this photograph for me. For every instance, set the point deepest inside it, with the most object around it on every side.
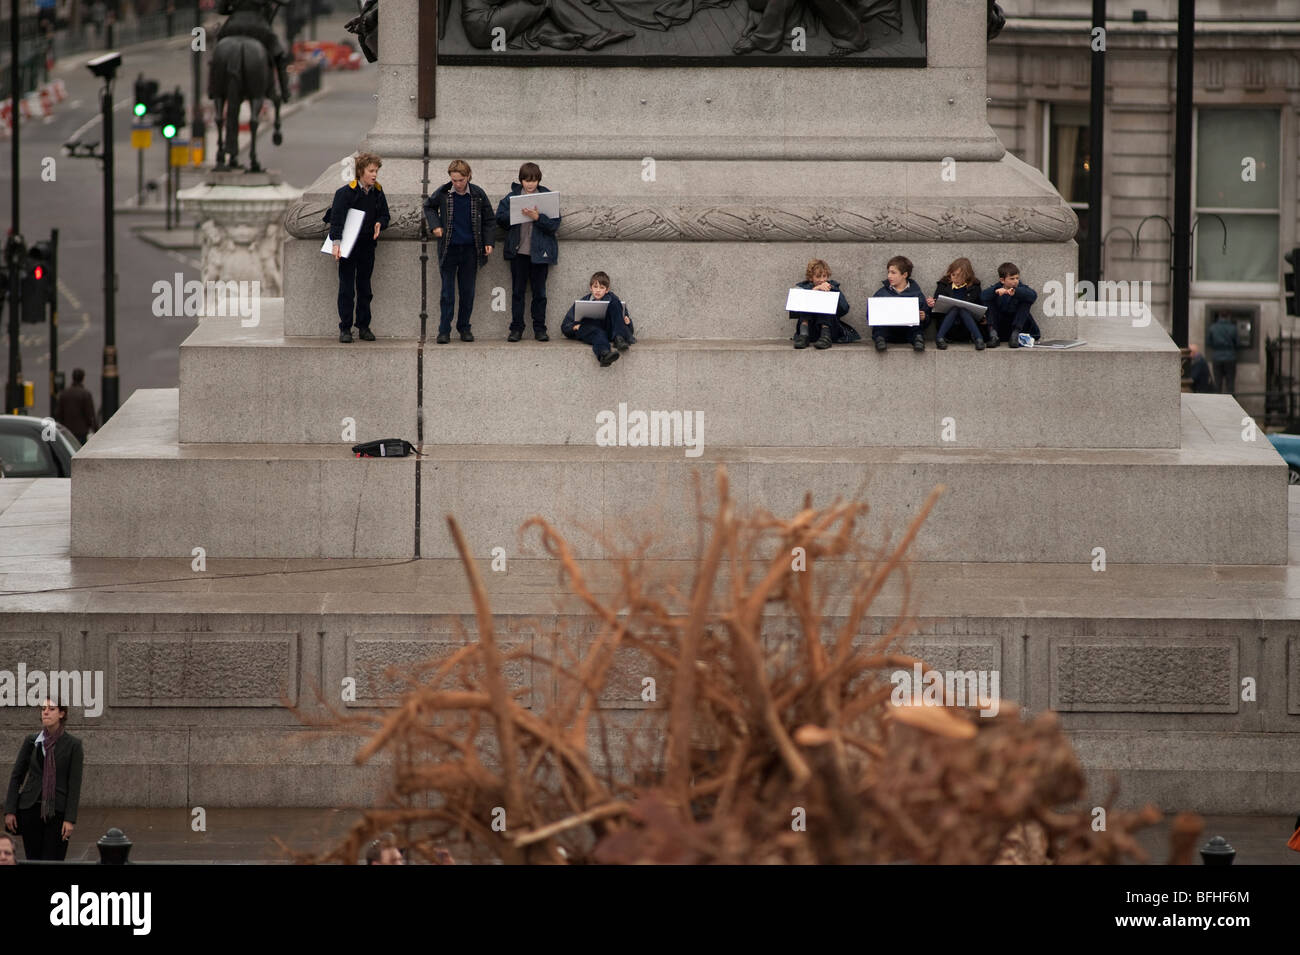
(141, 109)
(168, 131)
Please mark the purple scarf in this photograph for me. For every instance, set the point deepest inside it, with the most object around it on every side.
(47, 776)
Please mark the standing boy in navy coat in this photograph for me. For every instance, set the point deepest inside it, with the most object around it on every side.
(531, 249)
(362, 193)
(900, 284)
(1008, 303)
(460, 216)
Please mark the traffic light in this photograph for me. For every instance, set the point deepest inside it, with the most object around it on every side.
(1292, 299)
(146, 94)
(38, 282)
(171, 113)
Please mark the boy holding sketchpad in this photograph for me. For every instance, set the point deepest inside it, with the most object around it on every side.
(903, 316)
(817, 305)
(527, 221)
(600, 320)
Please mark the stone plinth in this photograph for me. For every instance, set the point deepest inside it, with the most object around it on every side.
(1143, 663)
(257, 386)
(240, 218)
(138, 491)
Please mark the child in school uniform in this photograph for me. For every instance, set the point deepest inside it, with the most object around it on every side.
(531, 249)
(460, 217)
(1008, 303)
(822, 330)
(899, 283)
(959, 282)
(607, 336)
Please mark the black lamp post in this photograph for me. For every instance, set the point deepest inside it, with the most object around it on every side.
(105, 67)
(15, 252)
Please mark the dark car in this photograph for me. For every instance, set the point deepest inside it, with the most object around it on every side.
(25, 452)
(1288, 445)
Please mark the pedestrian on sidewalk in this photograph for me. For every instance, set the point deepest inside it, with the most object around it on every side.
(1223, 342)
(1198, 369)
(45, 787)
(75, 408)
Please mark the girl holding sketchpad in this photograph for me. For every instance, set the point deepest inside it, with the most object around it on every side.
(822, 328)
(959, 283)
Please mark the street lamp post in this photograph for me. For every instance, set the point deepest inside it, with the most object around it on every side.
(105, 67)
(1182, 267)
(1096, 142)
(14, 251)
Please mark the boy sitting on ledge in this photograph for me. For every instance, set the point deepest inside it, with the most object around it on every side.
(614, 329)
(899, 283)
(1008, 304)
(822, 329)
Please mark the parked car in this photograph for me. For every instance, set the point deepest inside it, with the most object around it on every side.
(1288, 445)
(24, 452)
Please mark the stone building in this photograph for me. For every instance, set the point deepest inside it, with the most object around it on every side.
(1246, 141)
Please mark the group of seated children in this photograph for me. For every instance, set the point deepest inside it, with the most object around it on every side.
(1007, 316)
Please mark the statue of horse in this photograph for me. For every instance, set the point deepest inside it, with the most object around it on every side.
(242, 71)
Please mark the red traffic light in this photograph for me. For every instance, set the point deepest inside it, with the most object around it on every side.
(38, 273)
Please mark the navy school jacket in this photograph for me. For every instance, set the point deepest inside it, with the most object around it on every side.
(352, 196)
(1008, 304)
(614, 315)
(437, 215)
(545, 249)
(841, 331)
(913, 291)
(970, 292)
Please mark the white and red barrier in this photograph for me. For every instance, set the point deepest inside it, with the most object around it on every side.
(40, 102)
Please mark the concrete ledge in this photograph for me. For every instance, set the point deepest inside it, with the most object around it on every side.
(1036, 505)
(1162, 729)
(253, 386)
(232, 754)
(137, 491)
(1118, 391)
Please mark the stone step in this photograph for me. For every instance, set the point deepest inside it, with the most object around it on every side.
(253, 385)
(691, 290)
(136, 491)
(139, 492)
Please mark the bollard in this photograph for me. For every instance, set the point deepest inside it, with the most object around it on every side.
(1218, 852)
(114, 847)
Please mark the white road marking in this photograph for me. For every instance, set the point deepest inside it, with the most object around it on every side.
(85, 127)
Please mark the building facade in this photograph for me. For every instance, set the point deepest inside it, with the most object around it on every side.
(1246, 144)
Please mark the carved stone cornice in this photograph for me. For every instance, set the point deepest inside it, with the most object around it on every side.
(728, 222)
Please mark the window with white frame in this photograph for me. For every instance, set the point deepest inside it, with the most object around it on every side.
(1238, 166)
